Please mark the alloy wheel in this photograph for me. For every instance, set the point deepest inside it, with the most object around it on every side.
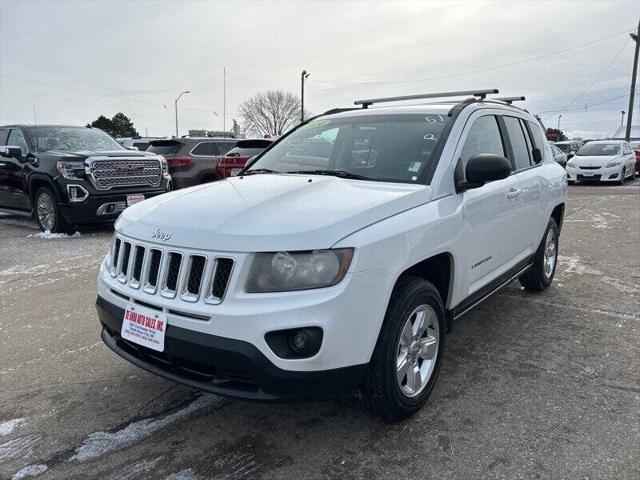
(550, 252)
(46, 211)
(417, 350)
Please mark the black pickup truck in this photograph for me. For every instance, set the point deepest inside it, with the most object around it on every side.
(66, 176)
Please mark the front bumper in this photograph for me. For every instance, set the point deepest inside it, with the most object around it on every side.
(602, 174)
(95, 208)
(221, 365)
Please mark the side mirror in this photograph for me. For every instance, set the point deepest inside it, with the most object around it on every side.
(11, 152)
(483, 168)
(135, 149)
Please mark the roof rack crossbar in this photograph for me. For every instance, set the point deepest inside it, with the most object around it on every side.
(482, 94)
(510, 100)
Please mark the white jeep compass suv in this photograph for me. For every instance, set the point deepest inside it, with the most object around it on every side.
(340, 256)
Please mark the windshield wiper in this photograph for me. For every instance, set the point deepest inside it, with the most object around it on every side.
(333, 173)
(257, 171)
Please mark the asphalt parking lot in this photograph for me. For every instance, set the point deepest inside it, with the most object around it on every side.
(532, 386)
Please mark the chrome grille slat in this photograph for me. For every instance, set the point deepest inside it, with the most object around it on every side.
(188, 276)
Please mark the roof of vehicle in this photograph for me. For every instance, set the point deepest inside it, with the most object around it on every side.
(46, 125)
(606, 141)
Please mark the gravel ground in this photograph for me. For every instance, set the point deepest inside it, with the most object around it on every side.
(532, 386)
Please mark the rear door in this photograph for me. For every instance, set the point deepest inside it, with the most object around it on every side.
(4, 171)
(526, 152)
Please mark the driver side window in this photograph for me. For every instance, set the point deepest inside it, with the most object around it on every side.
(484, 137)
(16, 139)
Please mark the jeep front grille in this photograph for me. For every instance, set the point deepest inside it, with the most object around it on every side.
(108, 172)
(190, 276)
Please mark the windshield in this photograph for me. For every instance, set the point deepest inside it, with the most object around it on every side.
(395, 148)
(73, 139)
(599, 149)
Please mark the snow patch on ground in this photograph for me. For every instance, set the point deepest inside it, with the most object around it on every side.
(623, 287)
(573, 264)
(186, 474)
(47, 235)
(29, 471)
(9, 426)
(101, 443)
(19, 447)
(18, 222)
(136, 470)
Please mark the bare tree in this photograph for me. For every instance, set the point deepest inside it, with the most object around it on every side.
(270, 113)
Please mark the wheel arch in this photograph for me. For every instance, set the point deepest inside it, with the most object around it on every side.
(558, 215)
(38, 181)
(437, 269)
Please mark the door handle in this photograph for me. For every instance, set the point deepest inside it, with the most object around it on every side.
(514, 192)
(2, 164)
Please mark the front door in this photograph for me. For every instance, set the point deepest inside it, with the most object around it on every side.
(489, 212)
(14, 192)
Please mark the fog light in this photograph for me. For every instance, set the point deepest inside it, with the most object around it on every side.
(76, 193)
(295, 343)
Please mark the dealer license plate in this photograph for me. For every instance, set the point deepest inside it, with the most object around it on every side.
(133, 199)
(587, 174)
(144, 326)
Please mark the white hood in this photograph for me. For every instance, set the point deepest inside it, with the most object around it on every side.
(269, 212)
(593, 161)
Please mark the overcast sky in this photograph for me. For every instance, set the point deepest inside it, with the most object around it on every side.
(76, 60)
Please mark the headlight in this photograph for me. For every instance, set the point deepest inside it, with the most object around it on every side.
(612, 164)
(165, 167)
(287, 271)
(71, 170)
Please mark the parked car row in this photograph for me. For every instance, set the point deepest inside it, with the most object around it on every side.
(604, 161)
(65, 176)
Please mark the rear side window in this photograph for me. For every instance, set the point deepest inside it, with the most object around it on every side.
(3, 136)
(484, 137)
(224, 147)
(519, 144)
(205, 148)
(165, 147)
(16, 139)
(537, 137)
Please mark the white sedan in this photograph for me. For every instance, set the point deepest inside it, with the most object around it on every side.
(604, 161)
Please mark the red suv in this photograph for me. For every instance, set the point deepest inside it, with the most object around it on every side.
(636, 149)
(236, 158)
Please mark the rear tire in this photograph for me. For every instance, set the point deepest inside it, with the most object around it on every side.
(540, 275)
(406, 360)
(47, 212)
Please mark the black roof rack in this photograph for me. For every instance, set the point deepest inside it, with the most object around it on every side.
(482, 94)
(510, 100)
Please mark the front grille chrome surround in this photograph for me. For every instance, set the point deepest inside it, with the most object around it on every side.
(106, 173)
(176, 274)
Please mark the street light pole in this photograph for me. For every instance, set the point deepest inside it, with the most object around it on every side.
(303, 76)
(176, 107)
(224, 99)
(634, 36)
(622, 119)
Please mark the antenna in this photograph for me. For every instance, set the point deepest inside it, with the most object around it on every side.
(482, 94)
(35, 127)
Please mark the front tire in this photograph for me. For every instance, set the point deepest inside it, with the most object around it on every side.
(622, 176)
(408, 355)
(540, 275)
(47, 212)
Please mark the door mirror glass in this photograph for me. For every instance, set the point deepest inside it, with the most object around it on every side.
(486, 167)
(11, 152)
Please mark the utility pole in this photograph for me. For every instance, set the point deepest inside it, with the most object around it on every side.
(224, 100)
(622, 119)
(304, 75)
(559, 117)
(634, 73)
(176, 107)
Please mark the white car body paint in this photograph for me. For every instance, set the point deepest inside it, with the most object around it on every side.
(596, 166)
(391, 226)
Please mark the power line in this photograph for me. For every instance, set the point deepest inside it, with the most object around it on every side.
(473, 72)
(594, 81)
(585, 106)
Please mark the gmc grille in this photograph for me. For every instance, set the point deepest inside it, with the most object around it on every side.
(110, 173)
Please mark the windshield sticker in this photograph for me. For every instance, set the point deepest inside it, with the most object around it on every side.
(415, 166)
(434, 118)
(316, 124)
(430, 136)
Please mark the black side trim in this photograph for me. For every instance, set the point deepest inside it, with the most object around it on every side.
(222, 365)
(489, 289)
